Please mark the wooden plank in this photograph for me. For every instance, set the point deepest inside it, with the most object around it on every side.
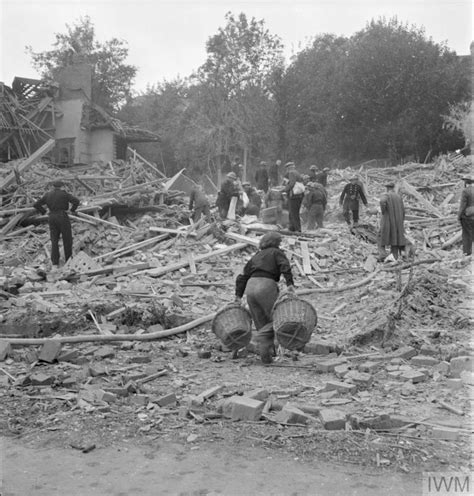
(170, 231)
(192, 264)
(159, 271)
(135, 246)
(136, 154)
(28, 162)
(231, 212)
(98, 220)
(306, 258)
(240, 238)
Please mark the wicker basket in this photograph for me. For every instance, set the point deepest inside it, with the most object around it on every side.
(294, 320)
(233, 326)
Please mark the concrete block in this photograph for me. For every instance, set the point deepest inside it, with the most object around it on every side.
(5, 349)
(442, 368)
(50, 351)
(332, 419)
(261, 394)
(414, 376)
(104, 352)
(342, 387)
(290, 414)
(429, 350)
(454, 384)
(109, 397)
(369, 366)
(166, 400)
(460, 364)
(447, 433)
(424, 361)
(68, 382)
(30, 356)
(246, 408)
(40, 379)
(467, 377)
(359, 378)
(97, 369)
(405, 352)
(329, 365)
(139, 399)
(317, 348)
(342, 370)
(117, 391)
(395, 374)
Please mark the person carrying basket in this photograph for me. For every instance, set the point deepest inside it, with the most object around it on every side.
(259, 281)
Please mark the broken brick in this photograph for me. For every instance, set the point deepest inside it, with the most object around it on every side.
(405, 352)
(424, 361)
(332, 419)
(166, 400)
(454, 384)
(69, 356)
(342, 387)
(329, 364)
(359, 378)
(460, 364)
(242, 408)
(139, 399)
(369, 366)
(414, 376)
(104, 352)
(258, 394)
(40, 379)
(291, 414)
(341, 370)
(50, 351)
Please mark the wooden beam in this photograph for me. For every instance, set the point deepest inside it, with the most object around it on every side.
(159, 271)
(306, 259)
(28, 162)
(136, 154)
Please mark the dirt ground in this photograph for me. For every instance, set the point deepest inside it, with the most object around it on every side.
(165, 468)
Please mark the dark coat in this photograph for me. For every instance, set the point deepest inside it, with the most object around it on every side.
(391, 225)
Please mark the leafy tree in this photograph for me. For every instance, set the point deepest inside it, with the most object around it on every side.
(112, 77)
(236, 83)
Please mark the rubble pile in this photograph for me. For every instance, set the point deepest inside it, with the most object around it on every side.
(117, 343)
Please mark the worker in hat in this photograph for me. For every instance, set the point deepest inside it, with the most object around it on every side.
(259, 281)
(350, 198)
(466, 214)
(315, 201)
(313, 173)
(261, 177)
(322, 177)
(392, 231)
(57, 200)
(294, 188)
(229, 188)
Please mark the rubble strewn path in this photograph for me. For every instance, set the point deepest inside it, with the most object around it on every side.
(206, 469)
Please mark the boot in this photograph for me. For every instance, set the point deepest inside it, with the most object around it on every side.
(266, 346)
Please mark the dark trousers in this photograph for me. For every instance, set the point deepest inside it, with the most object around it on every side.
(204, 210)
(467, 224)
(315, 216)
(294, 205)
(60, 227)
(396, 251)
(347, 215)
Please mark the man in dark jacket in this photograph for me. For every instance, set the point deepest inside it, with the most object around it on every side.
(466, 214)
(274, 173)
(199, 203)
(315, 201)
(392, 231)
(294, 188)
(255, 200)
(349, 200)
(229, 188)
(261, 177)
(58, 202)
(322, 177)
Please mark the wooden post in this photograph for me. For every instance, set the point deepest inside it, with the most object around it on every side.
(244, 173)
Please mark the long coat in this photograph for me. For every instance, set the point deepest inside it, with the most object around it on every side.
(392, 231)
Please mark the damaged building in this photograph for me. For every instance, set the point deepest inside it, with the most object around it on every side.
(33, 111)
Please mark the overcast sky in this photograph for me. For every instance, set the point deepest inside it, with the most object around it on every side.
(167, 38)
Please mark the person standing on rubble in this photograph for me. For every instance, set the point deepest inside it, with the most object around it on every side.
(392, 231)
(58, 202)
(199, 203)
(349, 200)
(229, 188)
(259, 281)
(261, 177)
(255, 200)
(322, 177)
(294, 188)
(466, 214)
(274, 173)
(315, 201)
